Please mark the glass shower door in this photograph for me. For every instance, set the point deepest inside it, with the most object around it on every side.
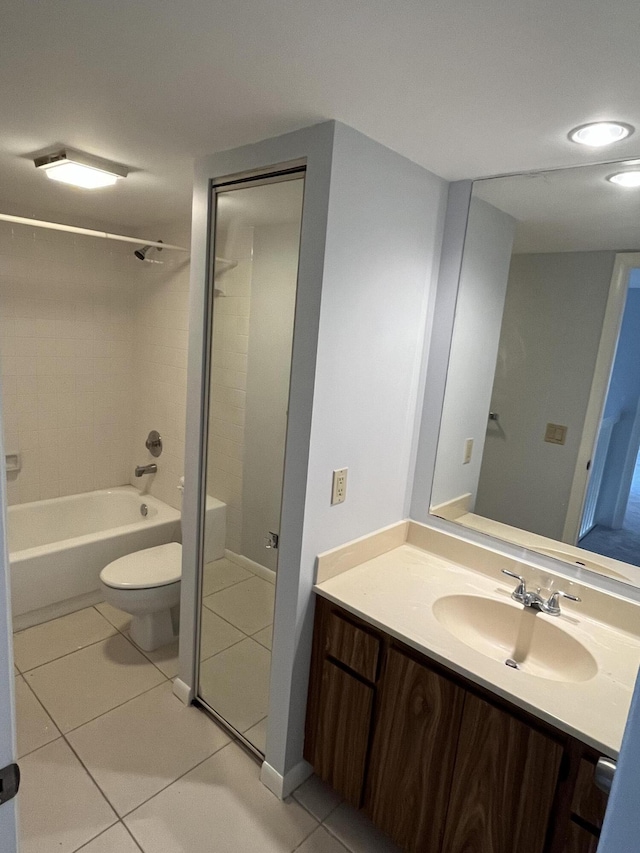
(256, 243)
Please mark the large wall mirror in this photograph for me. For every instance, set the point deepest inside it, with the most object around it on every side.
(540, 427)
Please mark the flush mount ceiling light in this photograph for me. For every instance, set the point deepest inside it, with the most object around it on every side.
(600, 133)
(79, 169)
(626, 179)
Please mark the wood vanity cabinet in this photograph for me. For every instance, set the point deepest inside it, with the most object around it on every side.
(439, 764)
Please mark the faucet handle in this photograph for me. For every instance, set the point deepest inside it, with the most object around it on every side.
(553, 607)
(521, 590)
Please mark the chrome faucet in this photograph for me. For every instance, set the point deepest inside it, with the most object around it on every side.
(146, 469)
(534, 600)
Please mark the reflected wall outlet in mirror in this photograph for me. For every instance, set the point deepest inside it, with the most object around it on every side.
(555, 434)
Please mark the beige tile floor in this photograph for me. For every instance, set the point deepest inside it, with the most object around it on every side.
(112, 762)
(234, 680)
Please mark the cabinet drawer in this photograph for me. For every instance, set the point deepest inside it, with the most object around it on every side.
(343, 720)
(579, 840)
(589, 802)
(354, 647)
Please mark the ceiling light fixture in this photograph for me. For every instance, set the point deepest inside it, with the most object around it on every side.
(626, 179)
(79, 169)
(600, 133)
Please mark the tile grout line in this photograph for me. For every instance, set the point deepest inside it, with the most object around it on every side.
(124, 633)
(181, 776)
(119, 705)
(66, 654)
(55, 725)
(104, 831)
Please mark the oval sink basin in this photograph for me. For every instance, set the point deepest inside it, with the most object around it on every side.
(529, 640)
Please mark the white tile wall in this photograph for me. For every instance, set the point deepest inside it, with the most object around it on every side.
(228, 386)
(66, 336)
(161, 324)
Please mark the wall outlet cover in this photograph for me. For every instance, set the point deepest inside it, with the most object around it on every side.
(339, 486)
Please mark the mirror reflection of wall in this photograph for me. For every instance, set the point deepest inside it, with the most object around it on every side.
(532, 449)
(257, 238)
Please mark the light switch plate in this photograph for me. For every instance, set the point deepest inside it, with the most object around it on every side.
(468, 451)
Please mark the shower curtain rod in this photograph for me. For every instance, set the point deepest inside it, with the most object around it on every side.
(88, 232)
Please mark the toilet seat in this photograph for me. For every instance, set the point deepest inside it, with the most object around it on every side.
(146, 569)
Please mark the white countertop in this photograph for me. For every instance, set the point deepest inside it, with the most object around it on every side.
(396, 592)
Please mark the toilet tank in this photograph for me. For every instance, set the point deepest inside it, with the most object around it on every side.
(215, 529)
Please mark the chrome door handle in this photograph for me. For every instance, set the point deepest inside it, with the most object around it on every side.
(605, 770)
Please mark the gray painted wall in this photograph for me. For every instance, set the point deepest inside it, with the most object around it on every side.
(382, 252)
(474, 348)
(548, 347)
(273, 295)
(370, 244)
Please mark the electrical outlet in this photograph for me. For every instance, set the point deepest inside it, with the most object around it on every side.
(468, 450)
(339, 486)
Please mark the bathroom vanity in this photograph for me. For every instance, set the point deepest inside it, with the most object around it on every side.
(414, 717)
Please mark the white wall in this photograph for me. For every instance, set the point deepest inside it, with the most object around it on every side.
(159, 382)
(227, 408)
(273, 295)
(548, 346)
(93, 349)
(474, 348)
(66, 306)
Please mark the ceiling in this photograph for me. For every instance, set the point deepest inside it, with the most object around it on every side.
(569, 210)
(463, 87)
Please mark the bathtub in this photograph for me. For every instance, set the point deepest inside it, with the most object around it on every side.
(58, 547)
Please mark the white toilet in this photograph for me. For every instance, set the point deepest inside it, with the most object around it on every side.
(146, 583)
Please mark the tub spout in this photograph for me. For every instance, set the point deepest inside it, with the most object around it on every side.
(146, 469)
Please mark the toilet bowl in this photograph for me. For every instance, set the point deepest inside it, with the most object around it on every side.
(146, 584)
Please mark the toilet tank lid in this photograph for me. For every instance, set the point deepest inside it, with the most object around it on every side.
(145, 569)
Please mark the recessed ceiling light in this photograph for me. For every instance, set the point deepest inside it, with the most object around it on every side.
(600, 133)
(626, 179)
(79, 169)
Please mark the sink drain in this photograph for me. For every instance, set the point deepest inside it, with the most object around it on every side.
(510, 662)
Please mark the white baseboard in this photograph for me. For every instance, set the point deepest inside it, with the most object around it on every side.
(251, 565)
(183, 691)
(53, 611)
(283, 786)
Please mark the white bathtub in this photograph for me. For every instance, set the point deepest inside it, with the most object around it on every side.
(58, 547)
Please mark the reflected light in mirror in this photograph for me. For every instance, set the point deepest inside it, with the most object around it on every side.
(626, 179)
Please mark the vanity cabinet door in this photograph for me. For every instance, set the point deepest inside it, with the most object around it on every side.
(503, 786)
(413, 753)
(342, 721)
(579, 840)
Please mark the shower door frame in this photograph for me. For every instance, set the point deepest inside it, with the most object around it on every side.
(287, 172)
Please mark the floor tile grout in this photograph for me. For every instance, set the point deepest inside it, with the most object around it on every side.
(88, 772)
(181, 776)
(135, 840)
(66, 654)
(237, 643)
(95, 837)
(119, 705)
